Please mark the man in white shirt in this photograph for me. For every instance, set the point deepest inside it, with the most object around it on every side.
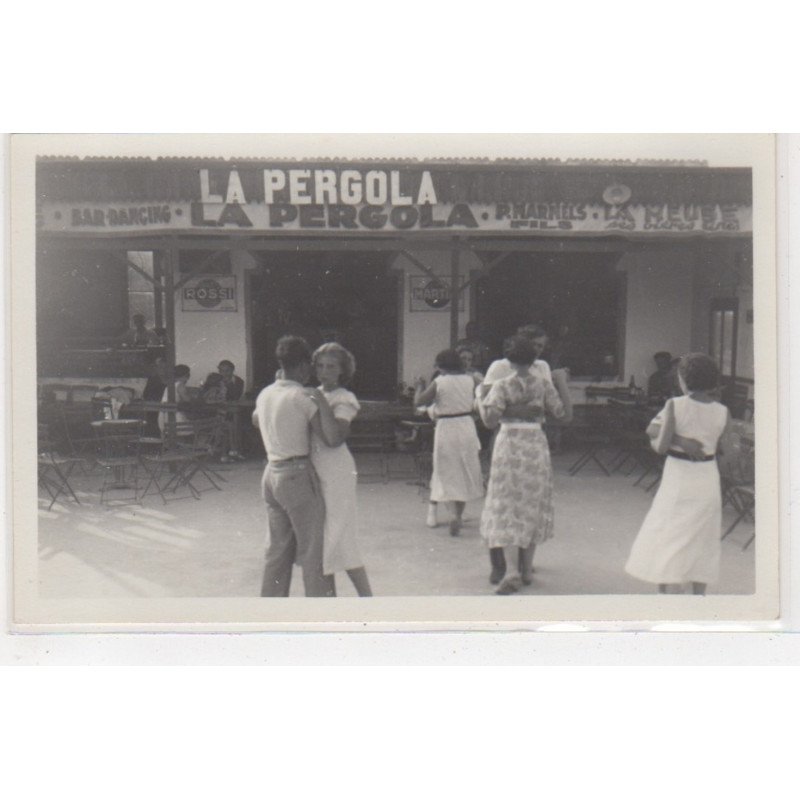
(286, 413)
(502, 367)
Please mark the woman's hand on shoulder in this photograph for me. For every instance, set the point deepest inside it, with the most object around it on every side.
(313, 393)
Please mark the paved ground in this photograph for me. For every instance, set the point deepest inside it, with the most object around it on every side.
(213, 546)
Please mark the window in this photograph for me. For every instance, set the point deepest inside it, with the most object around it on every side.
(724, 316)
(141, 292)
(578, 298)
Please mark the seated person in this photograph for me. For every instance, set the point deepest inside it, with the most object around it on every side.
(234, 385)
(184, 395)
(153, 392)
(234, 389)
(213, 389)
(661, 384)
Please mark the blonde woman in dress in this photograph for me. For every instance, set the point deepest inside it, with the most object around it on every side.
(679, 541)
(456, 477)
(518, 512)
(335, 466)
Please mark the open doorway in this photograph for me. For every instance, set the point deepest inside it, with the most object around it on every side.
(350, 298)
(578, 298)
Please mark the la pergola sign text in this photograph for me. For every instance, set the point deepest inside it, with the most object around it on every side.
(313, 200)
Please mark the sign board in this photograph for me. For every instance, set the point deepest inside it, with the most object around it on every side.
(547, 219)
(431, 294)
(209, 293)
(350, 201)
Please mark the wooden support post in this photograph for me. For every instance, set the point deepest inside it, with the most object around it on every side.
(158, 289)
(455, 294)
(170, 265)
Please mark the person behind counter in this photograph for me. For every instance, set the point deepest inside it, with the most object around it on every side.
(473, 342)
(139, 335)
(661, 384)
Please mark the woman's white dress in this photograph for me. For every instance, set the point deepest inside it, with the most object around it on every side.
(456, 447)
(338, 477)
(679, 540)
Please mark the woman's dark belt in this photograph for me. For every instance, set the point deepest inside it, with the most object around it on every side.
(686, 457)
(452, 416)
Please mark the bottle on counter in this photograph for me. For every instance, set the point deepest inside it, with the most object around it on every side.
(632, 389)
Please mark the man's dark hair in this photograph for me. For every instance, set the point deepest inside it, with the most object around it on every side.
(182, 371)
(226, 363)
(662, 355)
(292, 351)
(520, 350)
(531, 331)
(449, 360)
(699, 372)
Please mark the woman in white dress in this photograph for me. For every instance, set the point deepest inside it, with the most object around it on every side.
(679, 541)
(456, 464)
(335, 466)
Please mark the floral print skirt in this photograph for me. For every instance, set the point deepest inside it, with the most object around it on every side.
(518, 510)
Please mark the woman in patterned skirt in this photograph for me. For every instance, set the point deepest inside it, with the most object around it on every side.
(518, 512)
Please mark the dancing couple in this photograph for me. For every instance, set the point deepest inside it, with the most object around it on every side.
(309, 483)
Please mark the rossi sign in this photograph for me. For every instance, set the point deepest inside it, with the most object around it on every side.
(209, 293)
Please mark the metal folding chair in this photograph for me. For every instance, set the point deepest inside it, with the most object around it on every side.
(594, 433)
(54, 469)
(119, 443)
(170, 463)
(737, 473)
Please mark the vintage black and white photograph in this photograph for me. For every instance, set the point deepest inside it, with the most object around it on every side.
(466, 379)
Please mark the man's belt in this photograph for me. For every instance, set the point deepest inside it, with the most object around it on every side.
(687, 457)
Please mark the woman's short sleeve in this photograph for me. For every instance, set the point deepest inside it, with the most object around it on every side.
(497, 398)
(345, 406)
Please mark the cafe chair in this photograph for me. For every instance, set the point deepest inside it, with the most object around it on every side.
(169, 462)
(119, 458)
(54, 469)
(76, 437)
(373, 436)
(737, 476)
(207, 445)
(415, 438)
(594, 433)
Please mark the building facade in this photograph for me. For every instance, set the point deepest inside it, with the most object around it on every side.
(617, 260)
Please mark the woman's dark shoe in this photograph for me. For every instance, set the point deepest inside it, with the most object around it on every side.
(509, 586)
(455, 527)
(527, 577)
(496, 576)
